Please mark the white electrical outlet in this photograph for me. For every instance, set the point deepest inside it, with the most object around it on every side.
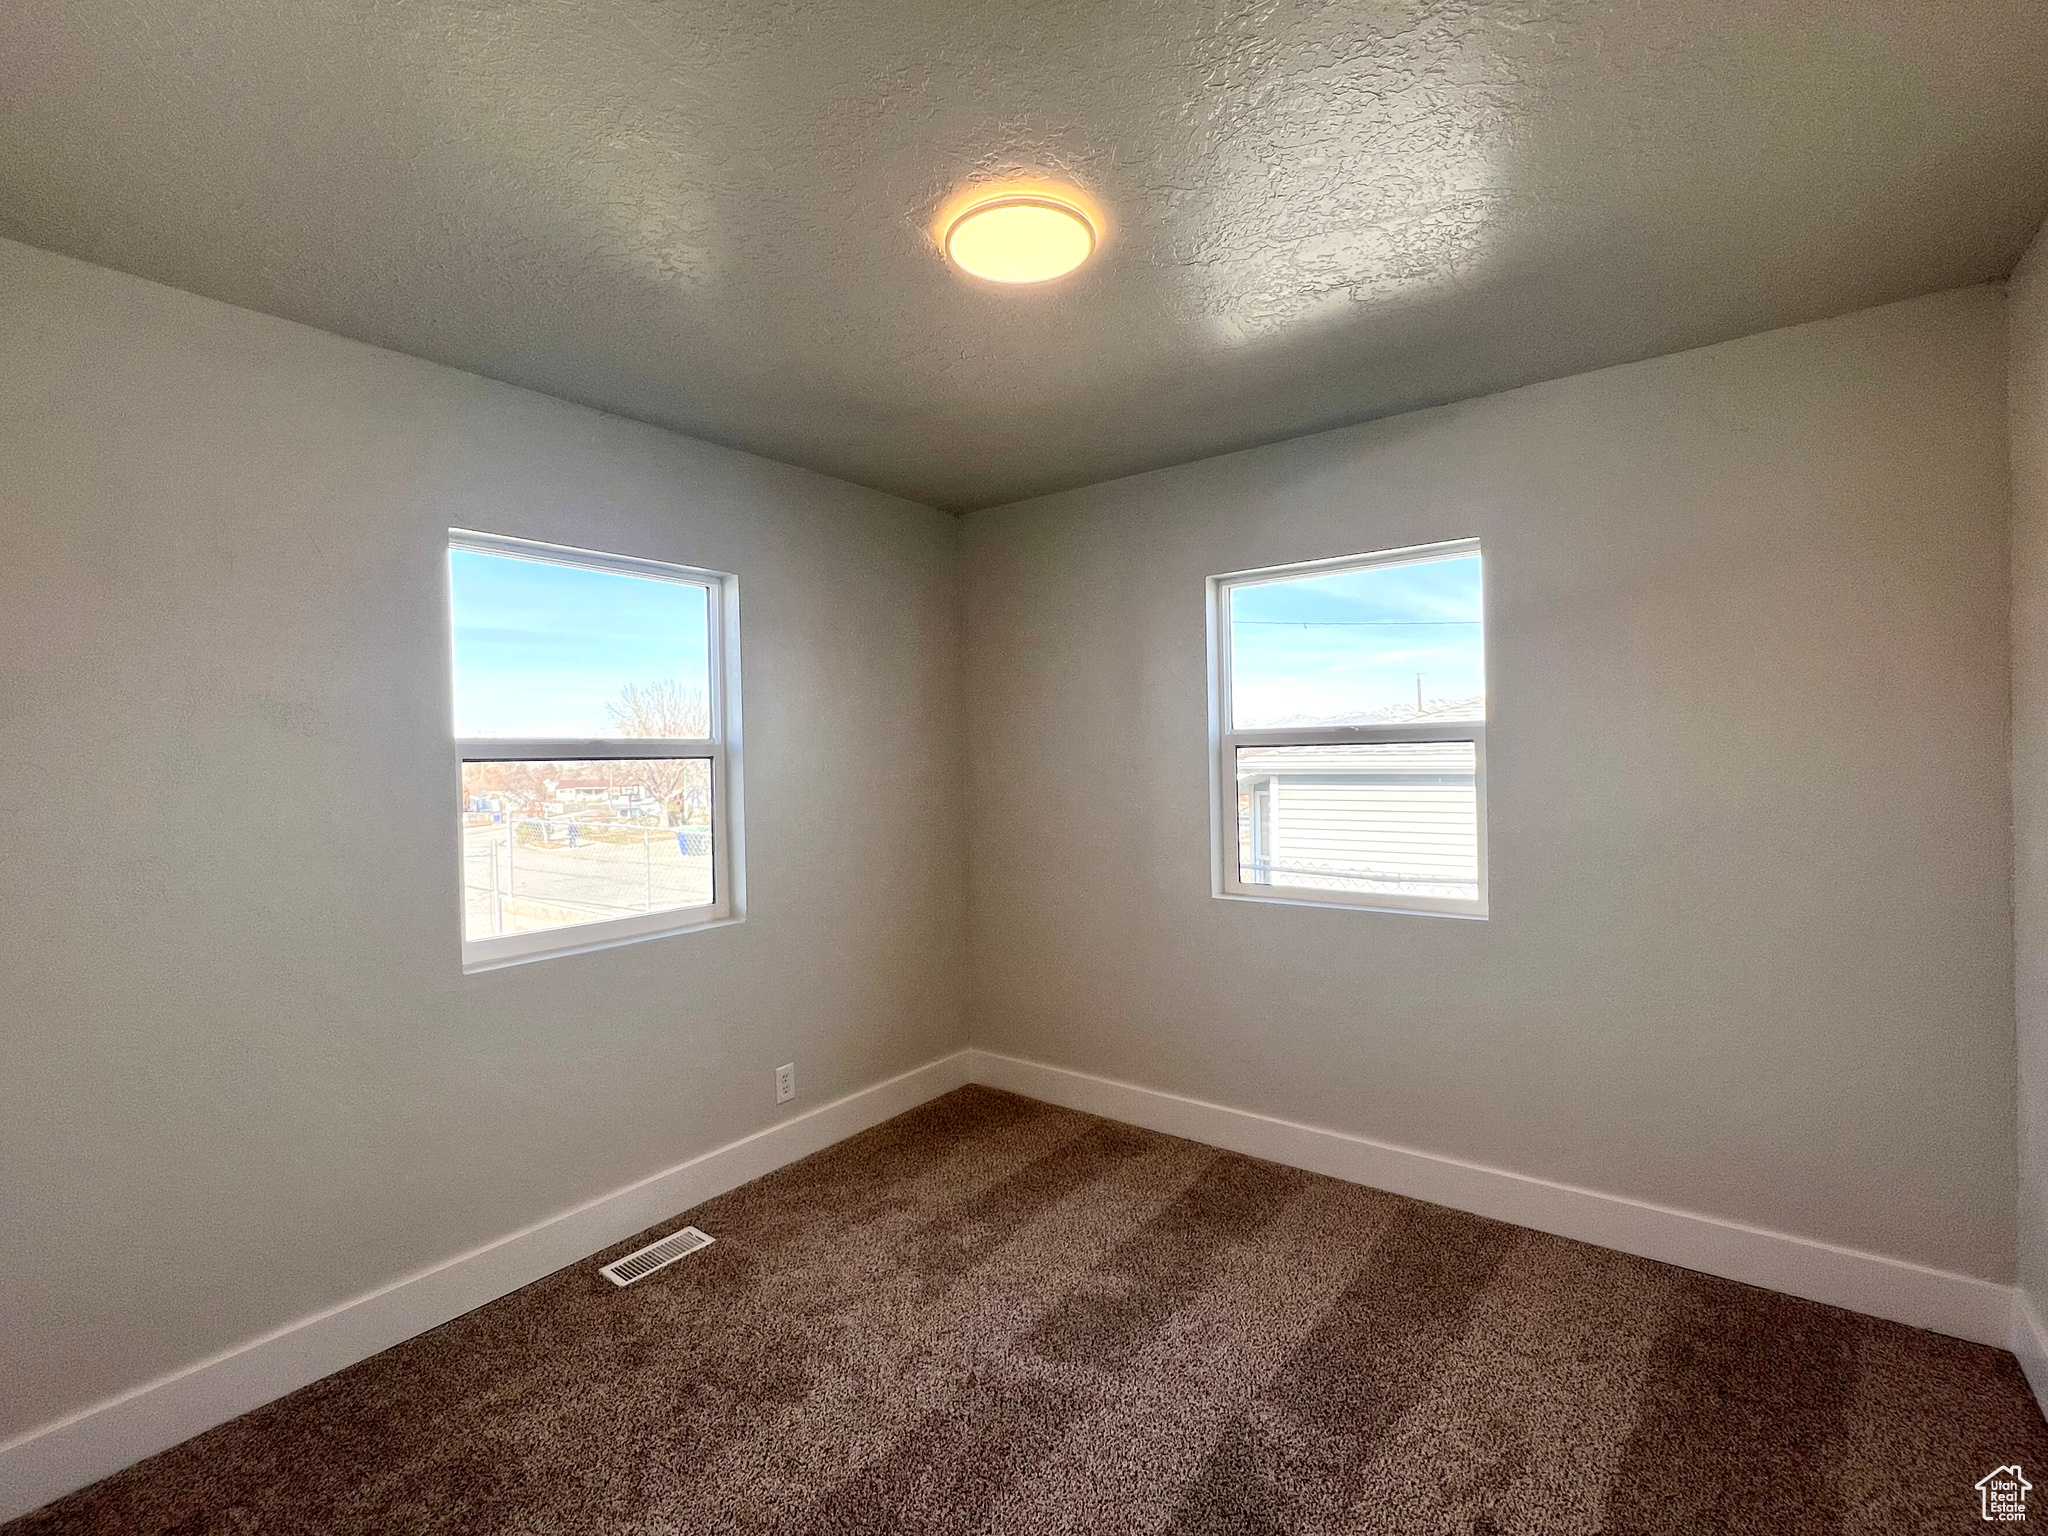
(785, 1083)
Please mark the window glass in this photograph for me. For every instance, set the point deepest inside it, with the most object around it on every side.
(1385, 644)
(557, 844)
(1383, 818)
(1351, 732)
(550, 650)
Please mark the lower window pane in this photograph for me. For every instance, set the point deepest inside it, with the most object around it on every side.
(1388, 818)
(551, 845)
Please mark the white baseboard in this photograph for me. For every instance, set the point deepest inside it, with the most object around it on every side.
(1959, 1305)
(51, 1461)
(2029, 1344)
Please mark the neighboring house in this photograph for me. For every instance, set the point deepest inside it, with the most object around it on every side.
(1384, 817)
(601, 792)
(569, 797)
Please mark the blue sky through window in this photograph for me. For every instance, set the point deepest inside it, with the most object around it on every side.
(1359, 646)
(541, 648)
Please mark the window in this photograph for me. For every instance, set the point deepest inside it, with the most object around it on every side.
(1348, 715)
(595, 741)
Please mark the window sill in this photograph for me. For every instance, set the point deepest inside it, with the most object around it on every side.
(481, 956)
(1469, 912)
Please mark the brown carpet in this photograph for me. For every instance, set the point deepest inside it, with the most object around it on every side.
(993, 1315)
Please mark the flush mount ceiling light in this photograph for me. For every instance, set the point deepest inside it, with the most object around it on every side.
(1020, 237)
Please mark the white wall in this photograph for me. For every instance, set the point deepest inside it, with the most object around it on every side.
(242, 1076)
(2028, 300)
(1749, 952)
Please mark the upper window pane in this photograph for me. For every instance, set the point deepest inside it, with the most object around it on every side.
(545, 649)
(1379, 645)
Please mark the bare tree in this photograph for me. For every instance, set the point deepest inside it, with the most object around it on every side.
(523, 787)
(666, 708)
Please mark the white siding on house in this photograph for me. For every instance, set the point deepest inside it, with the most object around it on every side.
(1392, 817)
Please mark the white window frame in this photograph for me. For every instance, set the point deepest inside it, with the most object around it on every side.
(1225, 740)
(721, 748)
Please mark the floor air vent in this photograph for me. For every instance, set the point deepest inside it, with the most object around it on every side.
(645, 1261)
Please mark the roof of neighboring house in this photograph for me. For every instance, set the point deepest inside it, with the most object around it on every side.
(1470, 707)
(1362, 760)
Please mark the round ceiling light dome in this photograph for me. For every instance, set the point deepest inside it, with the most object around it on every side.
(1020, 237)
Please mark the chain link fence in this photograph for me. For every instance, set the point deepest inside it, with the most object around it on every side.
(521, 874)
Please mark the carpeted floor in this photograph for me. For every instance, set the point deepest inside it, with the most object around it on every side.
(993, 1315)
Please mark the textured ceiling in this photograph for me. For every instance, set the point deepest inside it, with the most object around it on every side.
(713, 214)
